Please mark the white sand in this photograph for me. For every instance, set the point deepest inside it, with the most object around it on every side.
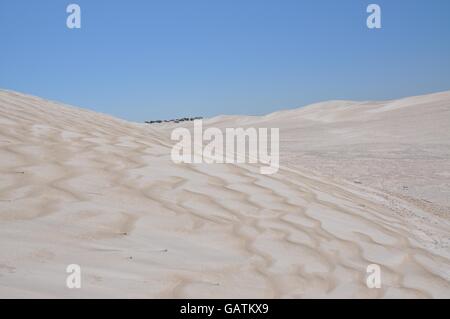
(359, 183)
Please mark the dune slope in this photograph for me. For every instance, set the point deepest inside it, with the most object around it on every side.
(78, 187)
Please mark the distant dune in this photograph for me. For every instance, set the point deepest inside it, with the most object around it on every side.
(360, 183)
(401, 147)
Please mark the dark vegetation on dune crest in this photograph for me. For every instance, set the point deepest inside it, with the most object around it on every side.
(183, 119)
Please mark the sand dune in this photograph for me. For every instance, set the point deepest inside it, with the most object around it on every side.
(78, 187)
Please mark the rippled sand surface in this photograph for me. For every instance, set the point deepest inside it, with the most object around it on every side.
(78, 187)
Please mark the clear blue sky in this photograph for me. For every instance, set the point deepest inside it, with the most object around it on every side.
(151, 59)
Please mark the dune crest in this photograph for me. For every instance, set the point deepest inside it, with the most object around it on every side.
(78, 187)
